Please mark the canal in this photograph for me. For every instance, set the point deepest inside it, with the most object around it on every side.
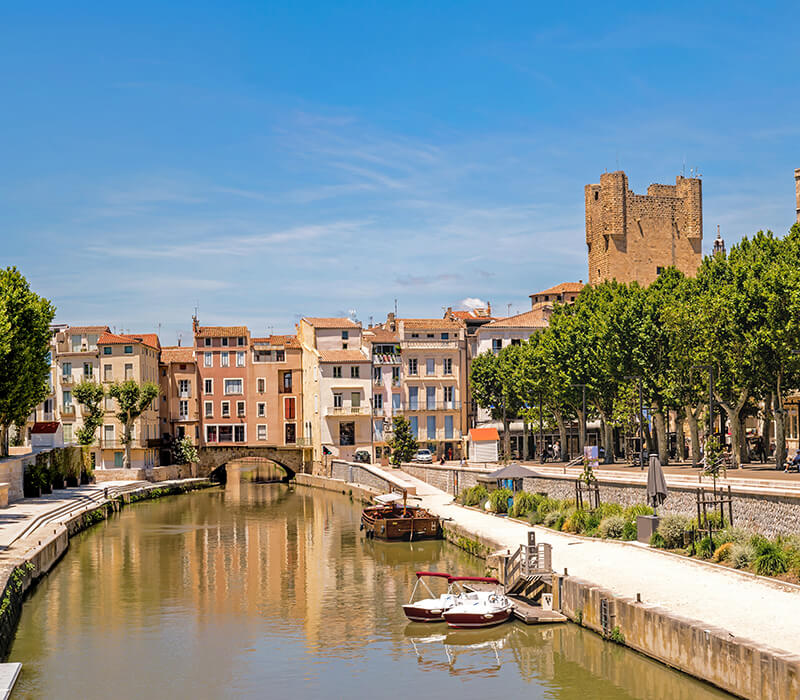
(260, 590)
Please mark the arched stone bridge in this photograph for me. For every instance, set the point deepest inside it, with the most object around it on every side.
(211, 458)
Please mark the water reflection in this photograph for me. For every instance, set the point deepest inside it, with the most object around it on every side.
(259, 590)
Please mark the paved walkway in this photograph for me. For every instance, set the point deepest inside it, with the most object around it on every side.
(746, 606)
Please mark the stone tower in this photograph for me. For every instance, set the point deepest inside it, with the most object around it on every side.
(797, 191)
(633, 237)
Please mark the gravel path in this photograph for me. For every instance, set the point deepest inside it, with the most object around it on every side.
(746, 606)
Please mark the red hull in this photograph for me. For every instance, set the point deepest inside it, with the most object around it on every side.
(416, 614)
(472, 620)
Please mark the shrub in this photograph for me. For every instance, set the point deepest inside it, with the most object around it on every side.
(611, 527)
(629, 532)
(770, 559)
(742, 555)
(524, 503)
(671, 529)
(604, 510)
(498, 500)
(475, 496)
(723, 552)
(732, 534)
(705, 548)
(546, 505)
(657, 540)
(551, 518)
(631, 512)
(534, 518)
(580, 518)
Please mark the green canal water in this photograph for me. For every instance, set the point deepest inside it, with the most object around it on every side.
(262, 591)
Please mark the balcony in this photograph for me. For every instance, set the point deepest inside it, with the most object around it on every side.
(67, 380)
(304, 442)
(68, 410)
(430, 344)
(48, 416)
(437, 377)
(347, 411)
(430, 406)
(384, 359)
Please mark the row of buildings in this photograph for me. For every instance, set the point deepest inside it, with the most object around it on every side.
(334, 386)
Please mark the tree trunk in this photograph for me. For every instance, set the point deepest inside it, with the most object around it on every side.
(562, 431)
(733, 413)
(766, 425)
(506, 435)
(780, 425)
(694, 433)
(581, 429)
(3, 441)
(745, 449)
(648, 437)
(661, 435)
(608, 439)
(680, 435)
(524, 455)
(127, 461)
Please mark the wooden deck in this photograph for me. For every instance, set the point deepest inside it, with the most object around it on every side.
(527, 612)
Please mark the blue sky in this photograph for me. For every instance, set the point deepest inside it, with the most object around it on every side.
(267, 161)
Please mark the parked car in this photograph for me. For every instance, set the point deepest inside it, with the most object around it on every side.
(423, 456)
(362, 456)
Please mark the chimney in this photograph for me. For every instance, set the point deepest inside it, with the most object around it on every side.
(489, 308)
(391, 322)
(797, 191)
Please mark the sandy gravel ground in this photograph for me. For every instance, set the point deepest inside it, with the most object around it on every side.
(746, 606)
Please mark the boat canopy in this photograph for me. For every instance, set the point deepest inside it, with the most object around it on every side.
(386, 498)
(474, 579)
(438, 574)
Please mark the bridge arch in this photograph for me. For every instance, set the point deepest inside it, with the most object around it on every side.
(211, 459)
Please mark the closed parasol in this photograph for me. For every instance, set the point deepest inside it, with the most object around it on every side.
(656, 483)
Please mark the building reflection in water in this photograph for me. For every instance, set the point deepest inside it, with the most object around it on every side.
(231, 589)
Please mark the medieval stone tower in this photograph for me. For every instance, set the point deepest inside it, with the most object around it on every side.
(633, 237)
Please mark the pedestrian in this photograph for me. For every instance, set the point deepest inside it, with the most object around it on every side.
(761, 453)
(557, 452)
(794, 463)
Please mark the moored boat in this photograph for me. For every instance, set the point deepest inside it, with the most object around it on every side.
(430, 609)
(391, 520)
(478, 608)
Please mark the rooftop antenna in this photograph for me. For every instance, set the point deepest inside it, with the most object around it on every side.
(683, 170)
(180, 339)
(509, 309)
(395, 308)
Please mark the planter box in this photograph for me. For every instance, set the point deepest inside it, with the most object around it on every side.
(646, 525)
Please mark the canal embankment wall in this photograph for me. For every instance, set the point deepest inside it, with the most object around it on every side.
(738, 665)
(30, 558)
(761, 508)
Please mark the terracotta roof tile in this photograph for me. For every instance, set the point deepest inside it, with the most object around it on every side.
(319, 322)
(528, 319)
(84, 329)
(380, 335)
(568, 287)
(343, 356)
(288, 341)
(430, 323)
(149, 339)
(221, 331)
(177, 354)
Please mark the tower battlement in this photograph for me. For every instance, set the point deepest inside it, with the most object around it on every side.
(633, 237)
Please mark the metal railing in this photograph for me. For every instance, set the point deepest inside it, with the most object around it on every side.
(431, 406)
(347, 411)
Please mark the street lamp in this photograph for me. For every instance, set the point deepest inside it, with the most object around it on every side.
(710, 370)
(638, 379)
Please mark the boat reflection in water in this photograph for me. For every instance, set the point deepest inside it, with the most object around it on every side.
(443, 649)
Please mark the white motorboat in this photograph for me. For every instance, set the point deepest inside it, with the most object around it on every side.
(478, 608)
(430, 609)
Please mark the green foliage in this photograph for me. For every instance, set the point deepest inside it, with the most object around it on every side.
(742, 555)
(611, 527)
(25, 319)
(90, 396)
(733, 534)
(632, 512)
(475, 496)
(671, 529)
(402, 444)
(604, 510)
(771, 559)
(630, 531)
(616, 636)
(705, 548)
(185, 451)
(498, 500)
(132, 399)
(657, 540)
(524, 503)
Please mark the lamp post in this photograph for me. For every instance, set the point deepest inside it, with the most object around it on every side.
(541, 428)
(711, 407)
(638, 379)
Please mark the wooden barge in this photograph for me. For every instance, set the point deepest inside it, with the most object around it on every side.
(391, 520)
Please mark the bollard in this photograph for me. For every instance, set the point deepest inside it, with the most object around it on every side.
(638, 597)
(565, 571)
